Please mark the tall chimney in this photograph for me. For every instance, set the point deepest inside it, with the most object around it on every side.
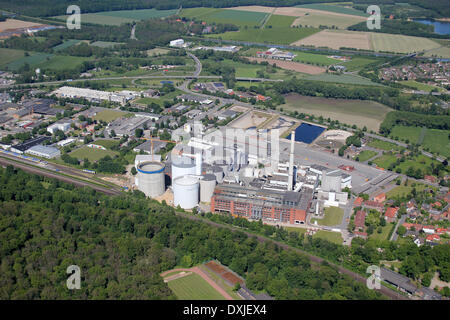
(291, 163)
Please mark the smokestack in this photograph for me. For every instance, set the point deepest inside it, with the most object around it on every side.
(291, 162)
(198, 164)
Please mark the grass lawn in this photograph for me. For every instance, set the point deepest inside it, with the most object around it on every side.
(366, 155)
(403, 133)
(383, 145)
(63, 62)
(193, 287)
(107, 143)
(384, 233)
(358, 112)
(321, 59)
(8, 56)
(334, 237)
(91, 154)
(333, 217)
(437, 141)
(385, 160)
(109, 115)
(342, 78)
(105, 44)
(357, 63)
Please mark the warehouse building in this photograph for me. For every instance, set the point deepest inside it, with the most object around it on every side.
(268, 205)
(91, 95)
(62, 126)
(44, 152)
(127, 126)
(21, 148)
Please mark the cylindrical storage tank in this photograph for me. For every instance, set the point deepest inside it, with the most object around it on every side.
(198, 164)
(218, 172)
(151, 178)
(185, 192)
(182, 166)
(207, 185)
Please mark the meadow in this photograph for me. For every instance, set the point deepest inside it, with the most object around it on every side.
(420, 86)
(236, 17)
(334, 237)
(107, 143)
(342, 78)
(8, 56)
(383, 145)
(109, 115)
(91, 153)
(404, 133)
(401, 44)
(63, 62)
(66, 44)
(366, 155)
(334, 9)
(34, 59)
(358, 112)
(404, 190)
(193, 287)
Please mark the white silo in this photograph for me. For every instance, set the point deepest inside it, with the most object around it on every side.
(151, 178)
(182, 166)
(185, 192)
(207, 185)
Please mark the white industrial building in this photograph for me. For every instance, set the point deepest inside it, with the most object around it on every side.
(44, 152)
(62, 126)
(91, 95)
(178, 43)
(66, 142)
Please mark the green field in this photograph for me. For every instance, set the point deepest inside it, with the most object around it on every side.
(313, 58)
(359, 112)
(109, 115)
(383, 145)
(405, 190)
(63, 62)
(66, 44)
(193, 287)
(91, 154)
(333, 216)
(157, 52)
(122, 16)
(283, 35)
(401, 44)
(342, 78)
(357, 63)
(105, 44)
(107, 143)
(366, 155)
(385, 160)
(334, 8)
(278, 21)
(317, 19)
(420, 86)
(34, 59)
(404, 132)
(236, 17)
(334, 237)
(384, 233)
(8, 56)
(437, 141)
(442, 52)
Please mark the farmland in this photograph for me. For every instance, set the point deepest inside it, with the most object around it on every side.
(66, 44)
(33, 60)
(8, 56)
(317, 19)
(400, 43)
(91, 154)
(360, 113)
(337, 39)
(122, 16)
(334, 9)
(236, 17)
(342, 78)
(62, 62)
(293, 66)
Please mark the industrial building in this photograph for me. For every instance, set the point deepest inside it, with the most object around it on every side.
(276, 54)
(268, 205)
(43, 152)
(231, 49)
(150, 179)
(148, 145)
(127, 126)
(91, 95)
(178, 43)
(62, 126)
(21, 148)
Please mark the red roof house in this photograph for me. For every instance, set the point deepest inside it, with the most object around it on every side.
(390, 214)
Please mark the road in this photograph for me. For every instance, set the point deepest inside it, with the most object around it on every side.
(400, 221)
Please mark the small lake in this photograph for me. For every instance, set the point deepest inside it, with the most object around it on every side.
(440, 27)
(307, 133)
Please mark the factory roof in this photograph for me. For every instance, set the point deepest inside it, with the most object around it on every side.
(30, 143)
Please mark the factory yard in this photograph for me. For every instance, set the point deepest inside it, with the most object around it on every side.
(291, 65)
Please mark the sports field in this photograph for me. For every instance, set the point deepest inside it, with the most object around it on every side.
(193, 287)
(109, 115)
(359, 112)
(8, 56)
(91, 153)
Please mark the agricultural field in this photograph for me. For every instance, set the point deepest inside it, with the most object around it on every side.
(193, 287)
(63, 62)
(66, 44)
(333, 216)
(91, 153)
(16, 24)
(357, 63)
(109, 115)
(34, 59)
(8, 56)
(236, 17)
(358, 112)
(420, 86)
(336, 39)
(292, 65)
(334, 8)
(342, 78)
(316, 19)
(122, 16)
(442, 52)
(401, 44)
(105, 44)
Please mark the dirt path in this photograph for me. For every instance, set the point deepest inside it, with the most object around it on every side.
(202, 274)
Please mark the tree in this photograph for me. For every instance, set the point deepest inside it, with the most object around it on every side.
(401, 230)
(133, 171)
(139, 133)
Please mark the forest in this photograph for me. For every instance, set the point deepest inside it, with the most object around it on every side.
(122, 243)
